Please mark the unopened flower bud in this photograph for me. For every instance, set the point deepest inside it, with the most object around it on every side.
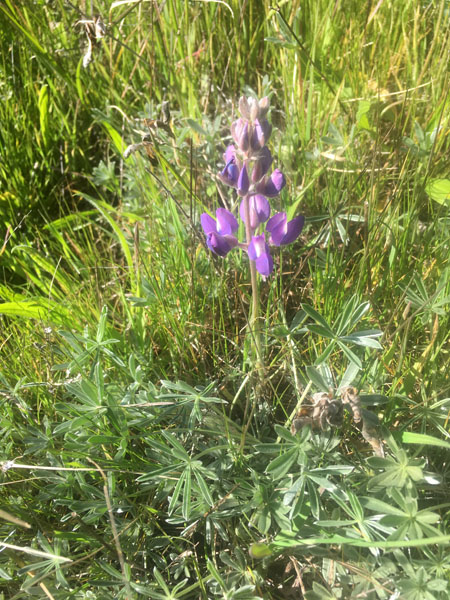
(244, 140)
(261, 165)
(244, 108)
(254, 108)
(243, 182)
(263, 107)
(261, 134)
(236, 129)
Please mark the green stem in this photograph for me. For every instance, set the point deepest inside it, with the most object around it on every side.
(254, 320)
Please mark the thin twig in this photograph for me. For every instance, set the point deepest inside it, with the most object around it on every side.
(114, 530)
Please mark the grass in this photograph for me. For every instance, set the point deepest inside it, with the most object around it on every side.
(134, 442)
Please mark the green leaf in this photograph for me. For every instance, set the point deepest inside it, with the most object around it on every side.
(176, 493)
(358, 313)
(320, 330)
(439, 191)
(42, 309)
(362, 115)
(309, 310)
(350, 355)
(281, 465)
(186, 508)
(349, 376)
(281, 42)
(196, 127)
(203, 487)
(381, 507)
(287, 539)
(373, 399)
(317, 378)
(319, 592)
(105, 209)
(409, 437)
(115, 136)
(284, 434)
(178, 449)
(364, 338)
(43, 113)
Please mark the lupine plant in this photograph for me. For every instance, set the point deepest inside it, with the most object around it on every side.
(247, 164)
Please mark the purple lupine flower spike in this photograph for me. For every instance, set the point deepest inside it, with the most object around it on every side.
(258, 250)
(259, 209)
(283, 232)
(247, 163)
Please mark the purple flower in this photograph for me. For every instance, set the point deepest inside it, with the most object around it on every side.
(283, 232)
(230, 174)
(272, 186)
(219, 234)
(230, 154)
(259, 209)
(259, 251)
(262, 164)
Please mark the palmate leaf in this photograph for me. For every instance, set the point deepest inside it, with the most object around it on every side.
(351, 314)
(398, 471)
(341, 332)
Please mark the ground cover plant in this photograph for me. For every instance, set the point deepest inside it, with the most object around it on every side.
(265, 422)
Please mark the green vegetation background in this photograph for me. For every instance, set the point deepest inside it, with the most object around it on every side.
(132, 442)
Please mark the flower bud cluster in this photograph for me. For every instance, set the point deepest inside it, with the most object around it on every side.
(247, 164)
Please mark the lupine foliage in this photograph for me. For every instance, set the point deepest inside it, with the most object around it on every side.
(136, 460)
